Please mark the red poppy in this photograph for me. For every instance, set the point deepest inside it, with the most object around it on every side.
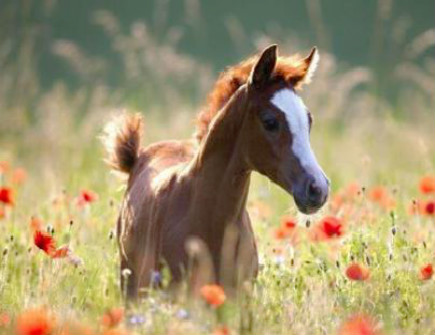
(35, 322)
(288, 222)
(221, 330)
(427, 184)
(356, 271)
(115, 331)
(19, 176)
(113, 317)
(352, 190)
(4, 167)
(61, 252)
(280, 233)
(337, 200)
(331, 226)
(426, 272)
(359, 325)
(5, 319)
(45, 242)
(88, 196)
(428, 207)
(35, 223)
(382, 197)
(213, 294)
(6, 196)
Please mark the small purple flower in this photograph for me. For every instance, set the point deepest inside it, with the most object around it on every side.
(156, 278)
(182, 314)
(136, 319)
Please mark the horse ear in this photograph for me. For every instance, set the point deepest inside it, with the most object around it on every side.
(309, 65)
(263, 69)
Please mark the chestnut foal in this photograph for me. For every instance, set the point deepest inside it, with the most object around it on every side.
(179, 190)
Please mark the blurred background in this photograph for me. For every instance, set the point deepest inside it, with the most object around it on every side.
(66, 65)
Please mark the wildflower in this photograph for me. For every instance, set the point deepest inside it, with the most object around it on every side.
(4, 167)
(19, 176)
(428, 207)
(382, 197)
(35, 223)
(280, 233)
(182, 314)
(45, 242)
(136, 319)
(6, 195)
(61, 252)
(288, 223)
(356, 271)
(352, 190)
(221, 330)
(426, 272)
(331, 226)
(115, 331)
(359, 325)
(75, 260)
(337, 200)
(86, 197)
(213, 295)
(35, 322)
(113, 317)
(5, 319)
(287, 230)
(427, 184)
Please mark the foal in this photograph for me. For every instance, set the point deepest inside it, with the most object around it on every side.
(177, 190)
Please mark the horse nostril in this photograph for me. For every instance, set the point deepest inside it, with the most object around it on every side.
(314, 192)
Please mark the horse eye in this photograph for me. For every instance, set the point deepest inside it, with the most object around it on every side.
(270, 123)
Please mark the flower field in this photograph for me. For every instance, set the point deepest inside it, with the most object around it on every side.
(364, 265)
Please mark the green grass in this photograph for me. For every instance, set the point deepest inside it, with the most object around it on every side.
(302, 291)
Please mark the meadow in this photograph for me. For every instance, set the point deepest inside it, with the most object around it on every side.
(362, 265)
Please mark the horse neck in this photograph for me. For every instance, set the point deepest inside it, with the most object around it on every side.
(221, 177)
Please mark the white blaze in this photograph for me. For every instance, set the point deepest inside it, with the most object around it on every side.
(296, 115)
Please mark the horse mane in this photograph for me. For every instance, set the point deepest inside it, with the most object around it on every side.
(291, 70)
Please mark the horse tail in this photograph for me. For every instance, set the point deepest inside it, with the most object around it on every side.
(122, 138)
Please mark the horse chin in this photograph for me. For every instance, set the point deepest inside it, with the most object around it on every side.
(305, 208)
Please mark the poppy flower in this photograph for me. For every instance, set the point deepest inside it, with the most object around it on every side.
(35, 322)
(428, 207)
(45, 242)
(280, 233)
(382, 197)
(358, 272)
(337, 200)
(5, 319)
(426, 272)
(352, 190)
(427, 184)
(4, 167)
(86, 197)
(35, 223)
(288, 222)
(6, 195)
(221, 330)
(213, 295)
(113, 317)
(61, 252)
(115, 331)
(19, 176)
(359, 325)
(331, 226)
